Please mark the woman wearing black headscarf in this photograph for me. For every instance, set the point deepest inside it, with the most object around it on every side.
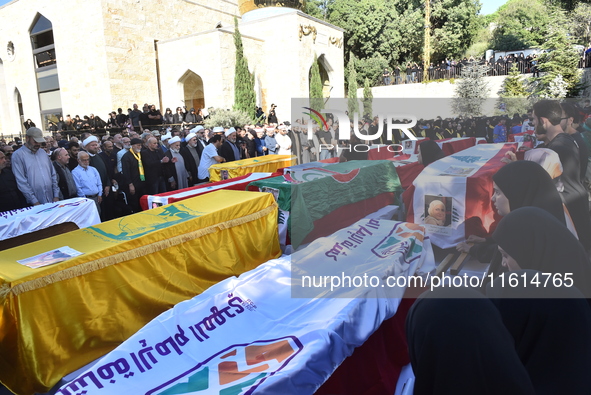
(458, 345)
(517, 184)
(531, 238)
(526, 183)
(429, 152)
(551, 328)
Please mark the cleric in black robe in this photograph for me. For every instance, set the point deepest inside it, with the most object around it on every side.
(458, 345)
(551, 327)
(531, 238)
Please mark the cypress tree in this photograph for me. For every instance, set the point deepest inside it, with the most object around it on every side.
(244, 95)
(560, 59)
(367, 99)
(316, 97)
(513, 94)
(352, 104)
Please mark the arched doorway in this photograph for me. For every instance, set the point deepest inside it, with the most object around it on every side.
(193, 94)
(324, 69)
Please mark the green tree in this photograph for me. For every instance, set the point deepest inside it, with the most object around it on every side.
(513, 94)
(318, 8)
(580, 24)
(471, 91)
(559, 59)
(352, 103)
(394, 29)
(244, 94)
(316, 97)
(227, 118)
(370, 69)
(455, 24)
(367, 99)
(520, 24)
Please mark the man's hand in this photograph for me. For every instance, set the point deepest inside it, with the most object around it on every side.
(463, 247)
(509, 157)
(100, 199)
(132, 189)
(106, 191)
(55, 199)
(165, 160)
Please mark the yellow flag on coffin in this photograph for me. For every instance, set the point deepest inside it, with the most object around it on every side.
(57, 318)
(260, 164)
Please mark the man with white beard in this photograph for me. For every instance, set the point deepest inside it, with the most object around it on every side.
(283, 140)
(126, 141)
(175, 170)
(191, 154)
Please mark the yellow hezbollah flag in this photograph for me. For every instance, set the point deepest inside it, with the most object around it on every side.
(260, 164)
(55, 319)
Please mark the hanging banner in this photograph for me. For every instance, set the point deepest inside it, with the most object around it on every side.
(81, 211)
(251, 335)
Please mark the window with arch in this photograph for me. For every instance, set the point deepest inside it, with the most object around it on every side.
(48, 86)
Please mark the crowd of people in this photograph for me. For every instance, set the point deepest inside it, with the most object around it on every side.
(413, 72)
(546, 228)
(115, 170)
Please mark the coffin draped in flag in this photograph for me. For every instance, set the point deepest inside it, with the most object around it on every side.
(451, 197)
(80, 211)
(260, 164)
(235, 184)
(250, 335)
(58, 318)
(316, 202)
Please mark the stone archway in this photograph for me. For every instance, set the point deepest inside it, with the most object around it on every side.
(325, 70)
(193, 93)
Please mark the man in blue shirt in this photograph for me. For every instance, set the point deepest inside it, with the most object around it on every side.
(88, 180)
(500, 132)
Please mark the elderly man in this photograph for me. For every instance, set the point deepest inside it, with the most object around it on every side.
(192, 153)
(35, 175)
(88, 180)
(283, 140)
(230, 150)
(10, 196)
(133, 175)
(271, 142)
(92, 147)
(210, 157)
(126, 141)
(65, 181)
(153, 158)
(176, 171)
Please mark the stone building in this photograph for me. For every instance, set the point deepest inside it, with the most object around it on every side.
(80, 57)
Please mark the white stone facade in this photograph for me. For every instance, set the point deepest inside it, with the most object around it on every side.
(113, 53)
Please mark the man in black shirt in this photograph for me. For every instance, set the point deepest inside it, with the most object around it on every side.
(10, 196)
(547, 117)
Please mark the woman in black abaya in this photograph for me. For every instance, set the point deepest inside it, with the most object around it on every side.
(531, 238)
(517, 184)
(551, 327)
(429, 152)
(458, 345)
